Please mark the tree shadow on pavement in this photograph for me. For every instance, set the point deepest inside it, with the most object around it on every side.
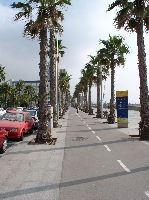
(69, 147)
(66, 184)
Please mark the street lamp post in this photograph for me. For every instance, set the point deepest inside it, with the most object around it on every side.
(57, 99)
(101, 92)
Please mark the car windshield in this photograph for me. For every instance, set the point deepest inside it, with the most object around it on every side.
(32, 112)
(13, 117)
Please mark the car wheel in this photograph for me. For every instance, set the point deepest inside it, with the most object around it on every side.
(36, 126)
(31, 130)
(22, 136)
(4, 147)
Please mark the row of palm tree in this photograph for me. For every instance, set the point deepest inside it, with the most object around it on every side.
(133, 16)
(18, 95)
(48, 17)
(26, 96)
(108, 57)
(64, 91)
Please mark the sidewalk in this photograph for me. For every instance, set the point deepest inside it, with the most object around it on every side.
(133, 120)
(33, 171)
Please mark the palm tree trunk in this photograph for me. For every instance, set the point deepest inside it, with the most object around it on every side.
(144, 111)
(78, 101)
(89, 100)
(62, 103)
(43, 89)
(67, 100)
(59, 102)
(85, 101)
(98, 94)
(53, 79)
(111, 117)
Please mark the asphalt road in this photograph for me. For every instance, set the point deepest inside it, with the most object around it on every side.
(102, 163)
(90, 161)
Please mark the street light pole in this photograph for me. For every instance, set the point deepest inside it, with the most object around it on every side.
(57, 99)
(101, 91)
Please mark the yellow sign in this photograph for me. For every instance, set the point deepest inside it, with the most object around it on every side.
(122, 93)
(122, 120)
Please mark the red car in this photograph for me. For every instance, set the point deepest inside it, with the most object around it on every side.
(17, 124)
(3, 140)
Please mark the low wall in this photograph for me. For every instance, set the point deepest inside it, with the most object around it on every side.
(137, 108)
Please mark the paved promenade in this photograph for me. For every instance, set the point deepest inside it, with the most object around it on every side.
(33, 171)
(90, 161)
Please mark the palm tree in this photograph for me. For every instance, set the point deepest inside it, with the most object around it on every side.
(99, 62)
(55, 27)
(113, 53)
(29, 92)
(13, 97)
(90, 73)
(133, 16)
(19, 88)
(59, 51)
(5, 91)
(46, 18)
(38, 27)
(76, 95)
(2, 73)
(84, 81)
(63, 84)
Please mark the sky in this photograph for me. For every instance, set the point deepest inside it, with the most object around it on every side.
(85, 23)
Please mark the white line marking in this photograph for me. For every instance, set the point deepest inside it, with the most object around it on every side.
(89, 127)
(98, 138)
(123, 166)
(108, 149)
(93, 132)
(147, 193)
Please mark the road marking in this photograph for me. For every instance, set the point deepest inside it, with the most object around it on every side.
(108, 149)
(98, 138)
(89, 127)
(93, 132)
(123, 166)
(147, 193)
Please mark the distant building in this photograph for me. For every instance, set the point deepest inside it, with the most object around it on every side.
(35, 84)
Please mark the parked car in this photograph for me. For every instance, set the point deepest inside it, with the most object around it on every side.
(3, 140)
(2, 111)
(34, 114)
(17, 124)
(19, 108)
(10, 109)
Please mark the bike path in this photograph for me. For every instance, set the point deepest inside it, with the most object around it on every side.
(101, 162)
